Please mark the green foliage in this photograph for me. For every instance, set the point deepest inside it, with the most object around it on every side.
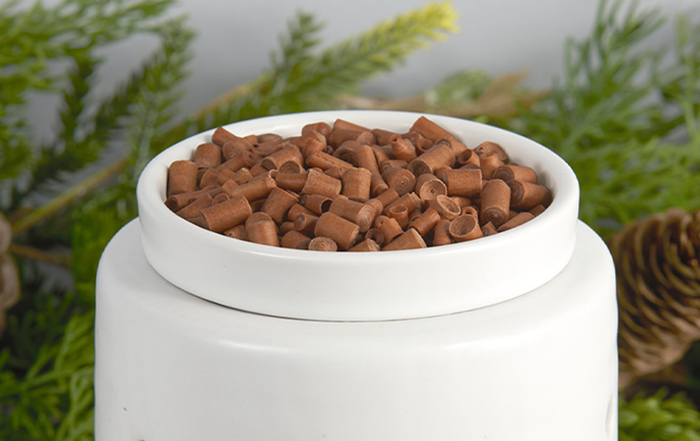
(31, 40)
(52, 398)
(658, 418)
(301, 81)
(626, 125)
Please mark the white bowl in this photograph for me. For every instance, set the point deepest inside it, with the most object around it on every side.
(362, 286)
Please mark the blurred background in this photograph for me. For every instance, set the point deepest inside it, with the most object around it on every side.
(90, 90)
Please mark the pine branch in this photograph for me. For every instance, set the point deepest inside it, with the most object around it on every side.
(658, 418)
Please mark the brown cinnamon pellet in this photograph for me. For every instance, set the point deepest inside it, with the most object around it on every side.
(310, 143)
(438, 156)
(322, 243)
(428, 187)
(207, 155)
(305, 222)
(339, 136)
(347, 125)
(366, 245)
(400, 213)
(291, 181)
(254, 189)
(238, 161)
(407, 241)
(242, 176)
(445, 207)
(324, 161)
(389, 227)
(319, 183)
(463, 182)
(235, 146)
(296, 210)
(342, 231)
(457, 147)
(348, 152)
(441, 233)
(429, 129)
(195, 207)
(385, 137)
(489, 164)
(182, 177)
(366, 159)
(237, 232)
(376, 235)
(219, 198)
(425, 222)
(403, 149)
(210, 177)
(178, 201)
(321, 127)
(409, 200)
(281, 156)
(227, 214)
(509, 172)
(357, 184)
(258, 170)
(526, 195)
(356, 212)
(285, 227)
(468, 157)
(220, 136)
(537, 210)
(291, 167)
(317, 203)
(488, 229)
(490, 147)
(421, 143)
(516, 220)
(388, 197)
(465, 228)
(296, 240)
(400, 179)
(278, 203)
(495, 202)
(262, 229)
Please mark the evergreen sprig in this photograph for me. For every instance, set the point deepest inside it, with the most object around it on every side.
(627, 125)
(301, 81)
(658, 418)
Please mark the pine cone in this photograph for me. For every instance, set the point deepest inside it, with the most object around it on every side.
(657, 261)
(9, 279)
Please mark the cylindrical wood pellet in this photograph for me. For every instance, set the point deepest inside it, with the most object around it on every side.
(321, 243)
(193, 208)
(317, 203)
(526, 195)
(255, 189)
(509, 172)
(182, 177)
(438, 156)
(278, 203)
(319, 183)
(305, 222)
(366, 159)
(366, 245)
(407, 241)
(220, 136)
(207, 155)
(237, 232)
(489, 164)
(321, 127)
(425, 222)
(227, 214)
(389, 227)
(489, 147)
(291, 181)
(376, 235)
(400, 179)
(278, 158)
(356, 212)
(262, 229)
(446, 207)
(400, 213)
(403, 149)
(441, 233)
(463, 182)
(465, 228)
(342, 231)
(495, 202)
(295, 240)
(516, 220)
(357, 184)
(488, 229)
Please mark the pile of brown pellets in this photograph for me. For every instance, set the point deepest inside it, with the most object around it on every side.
(347, 187)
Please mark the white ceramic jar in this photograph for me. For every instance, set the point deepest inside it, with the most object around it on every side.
(508, 337)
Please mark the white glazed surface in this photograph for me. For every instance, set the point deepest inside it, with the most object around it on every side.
(171, 366)
(362, 286)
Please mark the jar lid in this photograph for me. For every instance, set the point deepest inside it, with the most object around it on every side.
(365, 286)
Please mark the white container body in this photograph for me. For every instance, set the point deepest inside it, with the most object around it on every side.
(174, 367)
(508, 337)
